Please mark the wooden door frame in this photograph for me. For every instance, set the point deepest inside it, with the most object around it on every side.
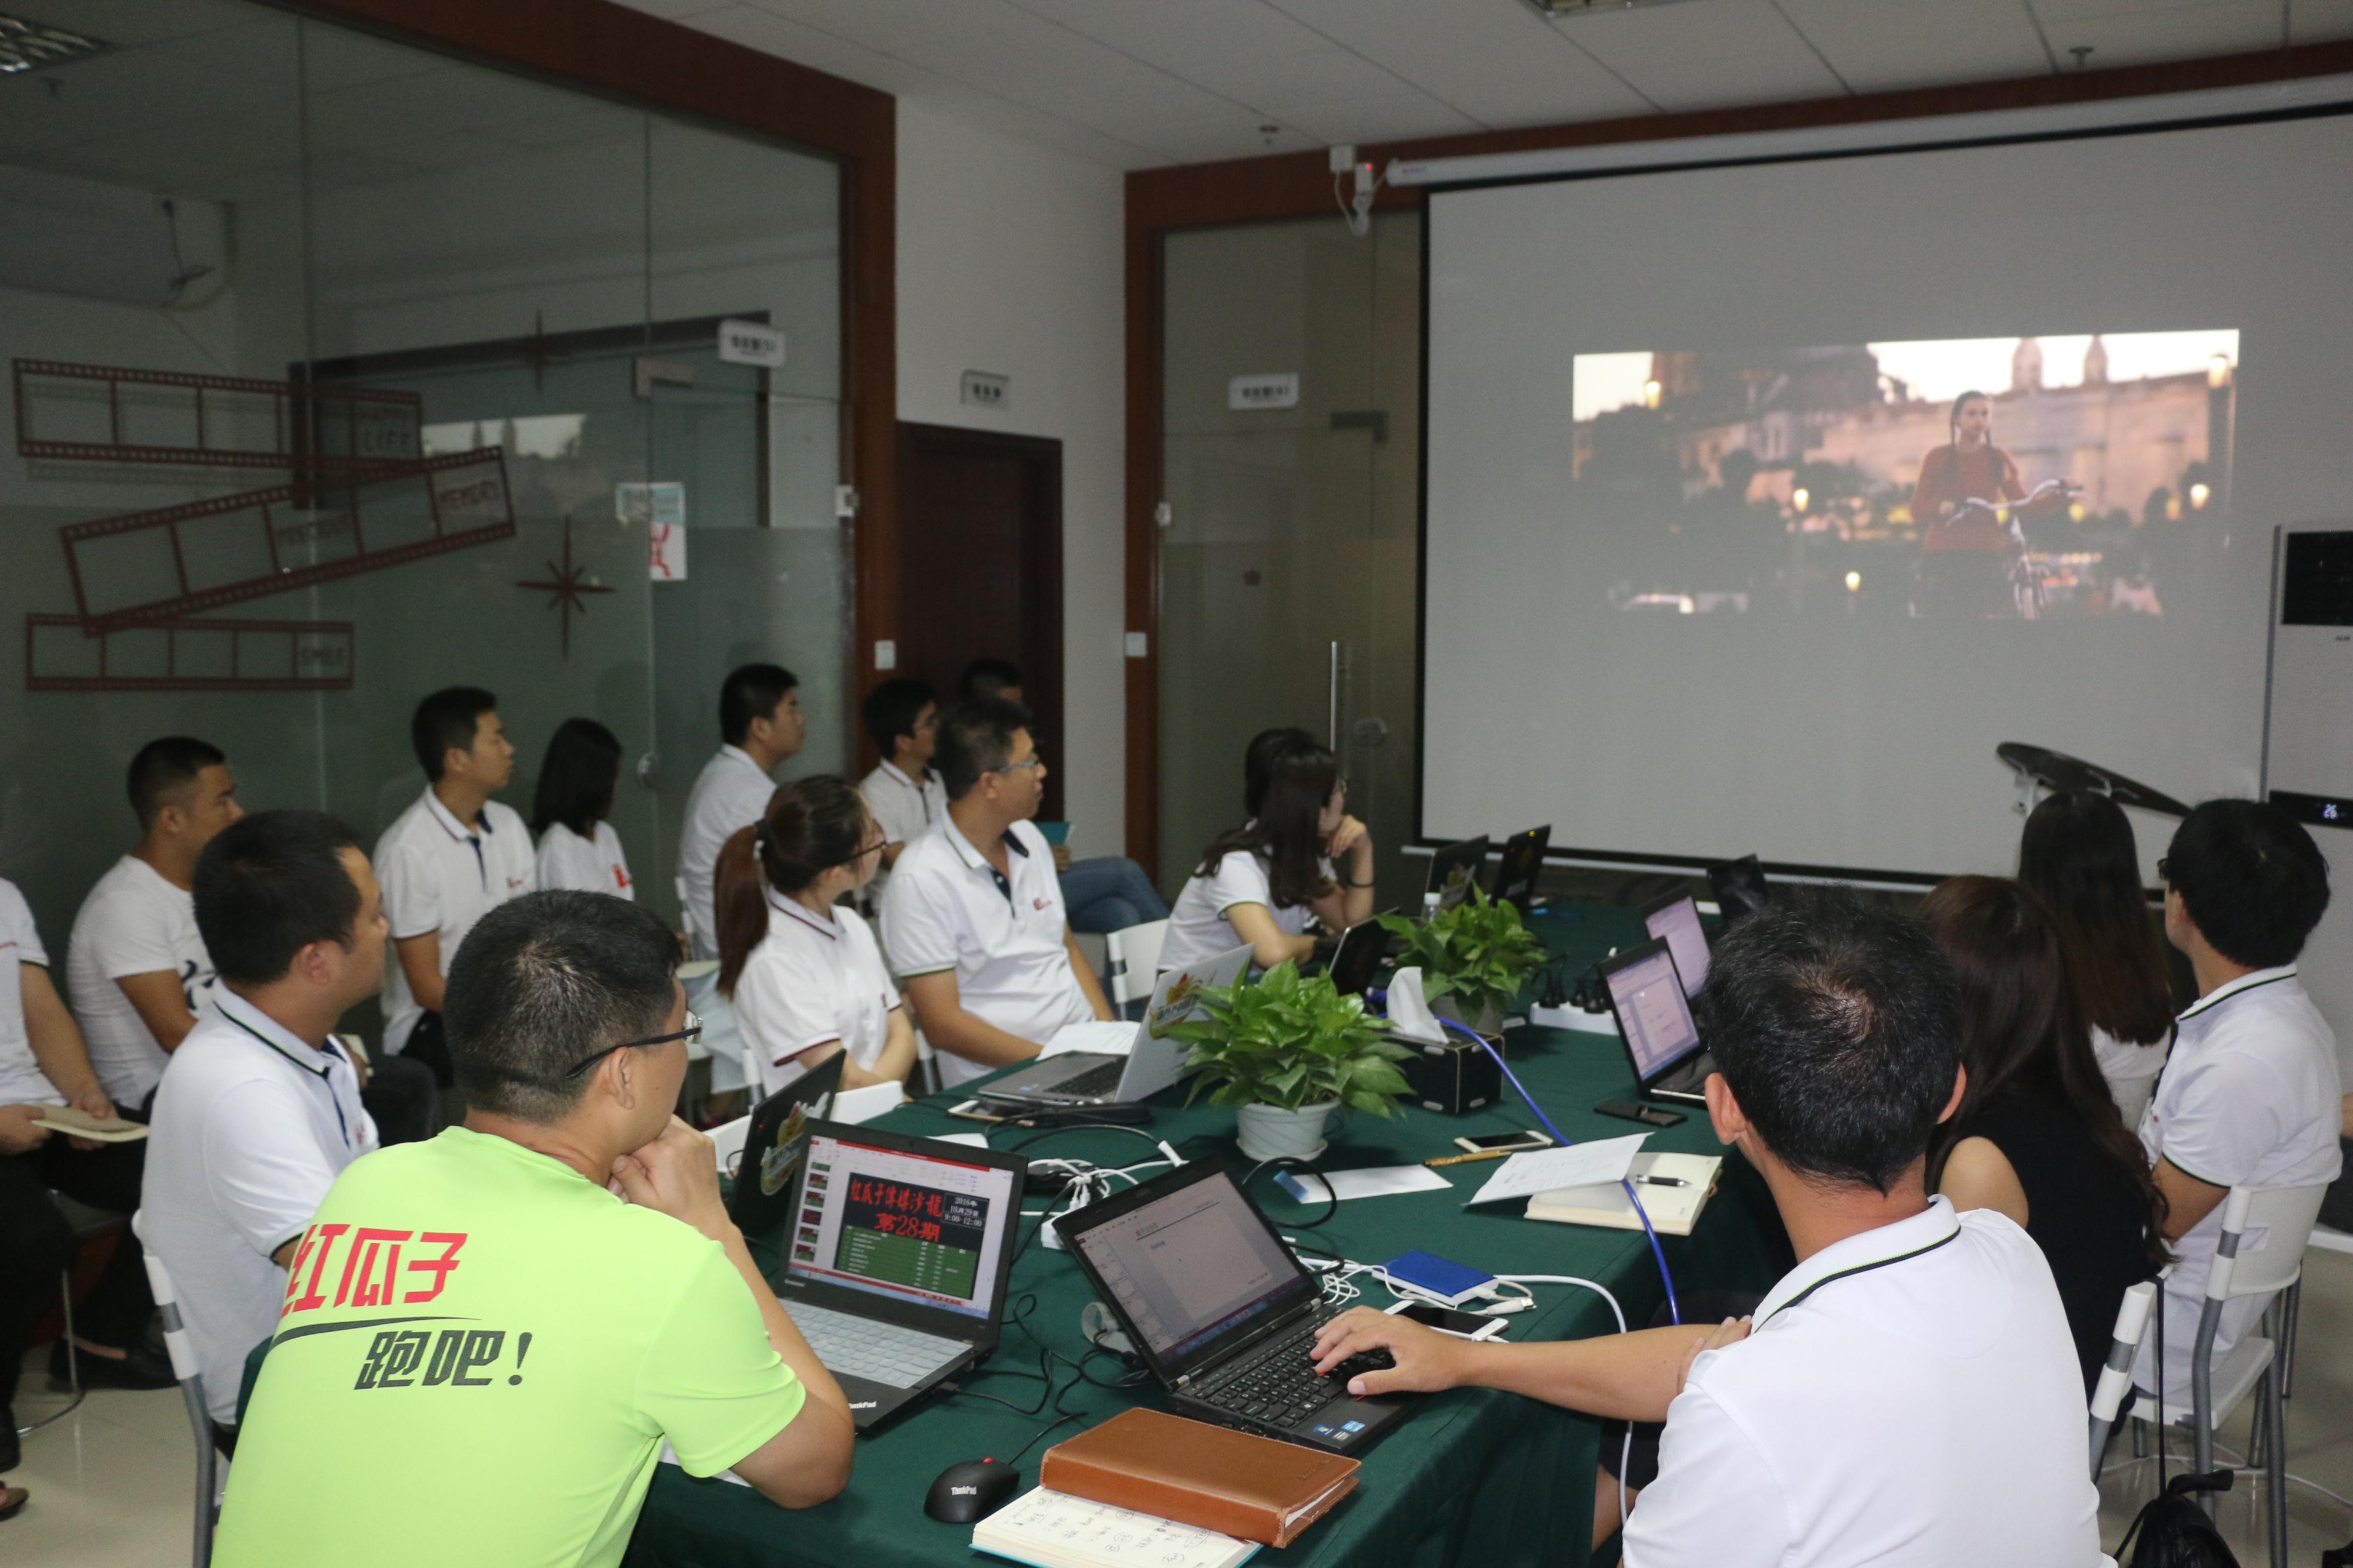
(614, 52)
(1299, 184)
(1046, 452)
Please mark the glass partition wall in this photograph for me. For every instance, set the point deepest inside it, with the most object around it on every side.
(437, 344)
(1289, 562)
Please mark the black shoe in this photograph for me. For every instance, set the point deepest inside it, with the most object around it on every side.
(140, 1368)
(12, 1451)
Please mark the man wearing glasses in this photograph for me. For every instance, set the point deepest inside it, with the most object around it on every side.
(495, 1332)
(974, 923)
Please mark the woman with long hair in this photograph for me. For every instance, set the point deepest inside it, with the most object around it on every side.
(2077, 853)
(1260, 883)
(2035, 1135)
(571, 808)
(803, 969)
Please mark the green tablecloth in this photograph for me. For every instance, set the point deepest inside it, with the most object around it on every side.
(1473, 1479)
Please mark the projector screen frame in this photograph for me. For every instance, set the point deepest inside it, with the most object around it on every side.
(2319, 98)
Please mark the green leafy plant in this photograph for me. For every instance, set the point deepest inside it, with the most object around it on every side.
(1477, 952)
(1291, 1042)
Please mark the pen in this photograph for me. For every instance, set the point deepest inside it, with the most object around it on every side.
(1662, 1180)
(1466, 1159)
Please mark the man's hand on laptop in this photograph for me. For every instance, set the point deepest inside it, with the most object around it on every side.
(676, 1174)
(1427, 1361)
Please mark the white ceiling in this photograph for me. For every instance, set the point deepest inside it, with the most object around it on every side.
(1135, 83)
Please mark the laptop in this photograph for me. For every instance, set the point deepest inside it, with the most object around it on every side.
(1522, 863)
(1153, 1060)
(896, 1259)
(1358, 957)
(1675, 919)
(1740, 887)
(1655, 1020)
(1454, 870)
(1219, 1309)
(773, 1146)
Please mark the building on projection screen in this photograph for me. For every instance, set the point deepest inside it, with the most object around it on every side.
(1997, 477)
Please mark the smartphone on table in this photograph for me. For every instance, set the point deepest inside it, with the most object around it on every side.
(1447, 1320)
(1503, 1143)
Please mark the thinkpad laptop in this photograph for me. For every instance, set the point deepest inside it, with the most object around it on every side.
(1219, 1309)
(1454, 870)
(1675, 920)
(1655, 1020)
(896, 1256)
(1154, 1058)
(773, 1147)
(1521, 866)
(1357, 960)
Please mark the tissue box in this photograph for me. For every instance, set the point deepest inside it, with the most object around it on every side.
(1454, 1078)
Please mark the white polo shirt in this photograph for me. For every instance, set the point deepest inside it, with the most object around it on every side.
(948, 909)
(439, 877)
(730, 793)
(2250, 1097)
(21, 1082)
(809, 981)
(903, 809)
(1907, 1395)
(133, 922)
(1197, 926)
(250, 1128)
(585, 865)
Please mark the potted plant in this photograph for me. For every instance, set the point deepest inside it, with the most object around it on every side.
(1286, 1053)
(1475, 956)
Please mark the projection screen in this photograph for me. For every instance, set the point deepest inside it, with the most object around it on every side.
(1719, 559)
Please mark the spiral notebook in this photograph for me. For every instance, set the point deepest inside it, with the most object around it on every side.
(1673, 1211)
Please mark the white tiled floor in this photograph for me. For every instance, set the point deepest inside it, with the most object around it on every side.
(112, 1484)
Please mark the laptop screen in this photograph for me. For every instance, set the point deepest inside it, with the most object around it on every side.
(1454, 870)
(1652, 1013)
(1678, 922)
(924, 1230)
(1193, 1266)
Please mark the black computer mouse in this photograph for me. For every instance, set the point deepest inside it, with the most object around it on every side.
(973, 1489)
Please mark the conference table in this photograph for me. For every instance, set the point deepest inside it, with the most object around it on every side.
(1475, 1478)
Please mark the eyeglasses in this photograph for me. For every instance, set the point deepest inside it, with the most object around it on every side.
(875, 848)
(1032, 761)
(693, 1028)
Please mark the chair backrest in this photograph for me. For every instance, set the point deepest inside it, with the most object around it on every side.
(1133, 956)
(853, 1106)
(167, 1302)
(727, 1141)
(2115, 1377)
(2264, 1230)
(751, 1065)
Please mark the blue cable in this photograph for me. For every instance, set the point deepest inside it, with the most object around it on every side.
(1674, 1308)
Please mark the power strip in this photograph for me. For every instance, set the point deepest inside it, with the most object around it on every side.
(1576, 1018)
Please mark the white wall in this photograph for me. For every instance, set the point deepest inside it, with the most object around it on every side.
(1010, 261)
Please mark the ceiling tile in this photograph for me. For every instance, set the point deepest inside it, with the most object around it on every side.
(2183, 32)
(902, 27)
(1879, 47)
(2321, 21)
(1195, 38)
(1379, 121)
(1497, 63)
(1705, 56)
(773, 35)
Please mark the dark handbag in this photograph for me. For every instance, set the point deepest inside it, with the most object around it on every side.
(2173, 1532)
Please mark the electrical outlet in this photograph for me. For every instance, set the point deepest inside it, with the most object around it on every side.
(1344, 157)
(983, 390)
(886, 654)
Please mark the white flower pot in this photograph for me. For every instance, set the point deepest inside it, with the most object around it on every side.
(1275, 1132)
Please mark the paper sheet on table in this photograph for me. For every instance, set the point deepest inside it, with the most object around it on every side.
(1578, 1165)
(1108, 1039)
(1372, 1181)
(969, 1140)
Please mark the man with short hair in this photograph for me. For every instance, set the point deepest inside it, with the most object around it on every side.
(136, 969)
(760, 726)
(902, 792)
(489, 1337)
(973, 922)
(1105, 892)
(2250, 1096)
(1909, 1392)
(450, 859)
(260, 1109)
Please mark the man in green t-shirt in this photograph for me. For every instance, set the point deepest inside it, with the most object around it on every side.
(488, 1337)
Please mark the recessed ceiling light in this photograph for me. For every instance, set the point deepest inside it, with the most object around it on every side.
(26, 45)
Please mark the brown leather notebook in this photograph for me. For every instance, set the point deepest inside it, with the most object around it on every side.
(1212, 1477)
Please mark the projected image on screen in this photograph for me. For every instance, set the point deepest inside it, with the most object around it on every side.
(1976, 478)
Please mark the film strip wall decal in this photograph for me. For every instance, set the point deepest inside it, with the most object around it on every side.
(189, 656)
(113, 413)
(146, 567)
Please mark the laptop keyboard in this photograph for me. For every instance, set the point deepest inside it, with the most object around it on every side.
(1100, 1079)
(880, 1353)
(1277, 1387)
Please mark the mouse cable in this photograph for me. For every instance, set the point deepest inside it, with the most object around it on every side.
(1626, 1449)
(1332, 1198)
(1162, 1144)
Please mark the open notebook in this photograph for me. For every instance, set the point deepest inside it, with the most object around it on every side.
(1053, 1529)
(1673, 1210)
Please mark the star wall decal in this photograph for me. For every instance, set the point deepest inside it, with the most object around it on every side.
(565, 586)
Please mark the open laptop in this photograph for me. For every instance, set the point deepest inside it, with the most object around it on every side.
(1522, 863)
(1655, 1020)
(896, 1256)
(1219, 1309)
(1675, 918)
(1740, 887)
(1154, 1058)
(1454, 870)
(1358, 957)
(773, 1144)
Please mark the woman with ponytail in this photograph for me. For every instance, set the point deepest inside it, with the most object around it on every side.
(804, 972)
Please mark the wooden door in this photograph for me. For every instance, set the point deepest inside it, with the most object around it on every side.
(980, 568)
